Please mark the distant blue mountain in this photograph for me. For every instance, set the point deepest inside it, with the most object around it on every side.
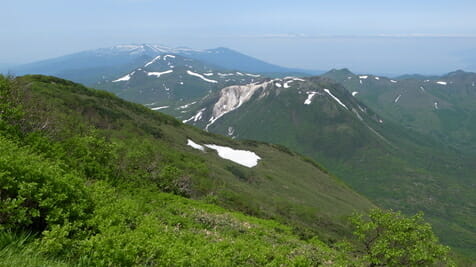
(91, 66)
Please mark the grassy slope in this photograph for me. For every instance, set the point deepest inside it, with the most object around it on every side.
(140, 146)
(138, 225)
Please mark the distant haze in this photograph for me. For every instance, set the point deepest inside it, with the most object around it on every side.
(384, 37)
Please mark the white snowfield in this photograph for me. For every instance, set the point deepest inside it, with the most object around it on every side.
(195, 145)
(159, 108)
(232, 97)
(200, 76)
(310, 95)
(354, 93)
(243, 157)
(196, 117)
(124, 78)
(363, 76)
(441, 82)
(158, 74)
(335, 98)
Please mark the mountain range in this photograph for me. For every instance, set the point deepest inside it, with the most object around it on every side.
(406, 143)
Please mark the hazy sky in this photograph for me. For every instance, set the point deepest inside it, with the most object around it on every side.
(385, 36)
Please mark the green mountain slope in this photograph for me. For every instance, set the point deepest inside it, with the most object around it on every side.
(125, 150)
(442, 107)
(394, 166)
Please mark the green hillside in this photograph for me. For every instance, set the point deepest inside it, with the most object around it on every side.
(441, 107)
(93, 168)
(396, 167)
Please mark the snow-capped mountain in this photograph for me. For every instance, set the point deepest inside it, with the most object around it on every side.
(171, 80)
(89, 67)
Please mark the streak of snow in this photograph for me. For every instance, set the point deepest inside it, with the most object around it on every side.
(396, 99)
(158, 74)
(310, 95)
(441, 82)
(159, 108)
(423, 89)
(436, 105)
(354, 93)
(363, 76)
(335, 98)
(196, 117)
(127, 77)
(278, 85)
(253, 75)
(239, 73)
(200, 76)
(393, 81)
(243, 157)
(170, 56)
(360, 81)
(187, 105)
(377, 78)
(195, 145)
(152, 61)
(208, 74)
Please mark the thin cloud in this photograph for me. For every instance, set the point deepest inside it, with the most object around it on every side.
(366, 36)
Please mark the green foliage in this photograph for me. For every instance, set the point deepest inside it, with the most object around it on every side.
(36, 193)
(391, 239)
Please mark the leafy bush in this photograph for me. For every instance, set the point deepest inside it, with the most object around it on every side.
(391, 239)
(35, 193)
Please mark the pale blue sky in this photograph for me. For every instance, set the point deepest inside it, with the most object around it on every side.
(385, 36)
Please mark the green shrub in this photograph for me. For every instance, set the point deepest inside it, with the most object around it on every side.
(35, 193)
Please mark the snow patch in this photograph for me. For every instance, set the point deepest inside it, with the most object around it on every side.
(159, 108)
(243, 157)
(377, 78)
(152, 61)
(310, 95)
(335, 98)
(208, 74)
(363, 76)
(441, 82)
(170, 56)
(187, 105)
(195, 145)
(278, 85)
(196, 117)
(200, 76)
(354, 93)
(231, 131)
(127, 77)
(253, 75)
(158, 74)
(396, 99)
(436, 105)
(393, 81)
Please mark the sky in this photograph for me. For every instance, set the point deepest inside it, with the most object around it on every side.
(366, 36)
